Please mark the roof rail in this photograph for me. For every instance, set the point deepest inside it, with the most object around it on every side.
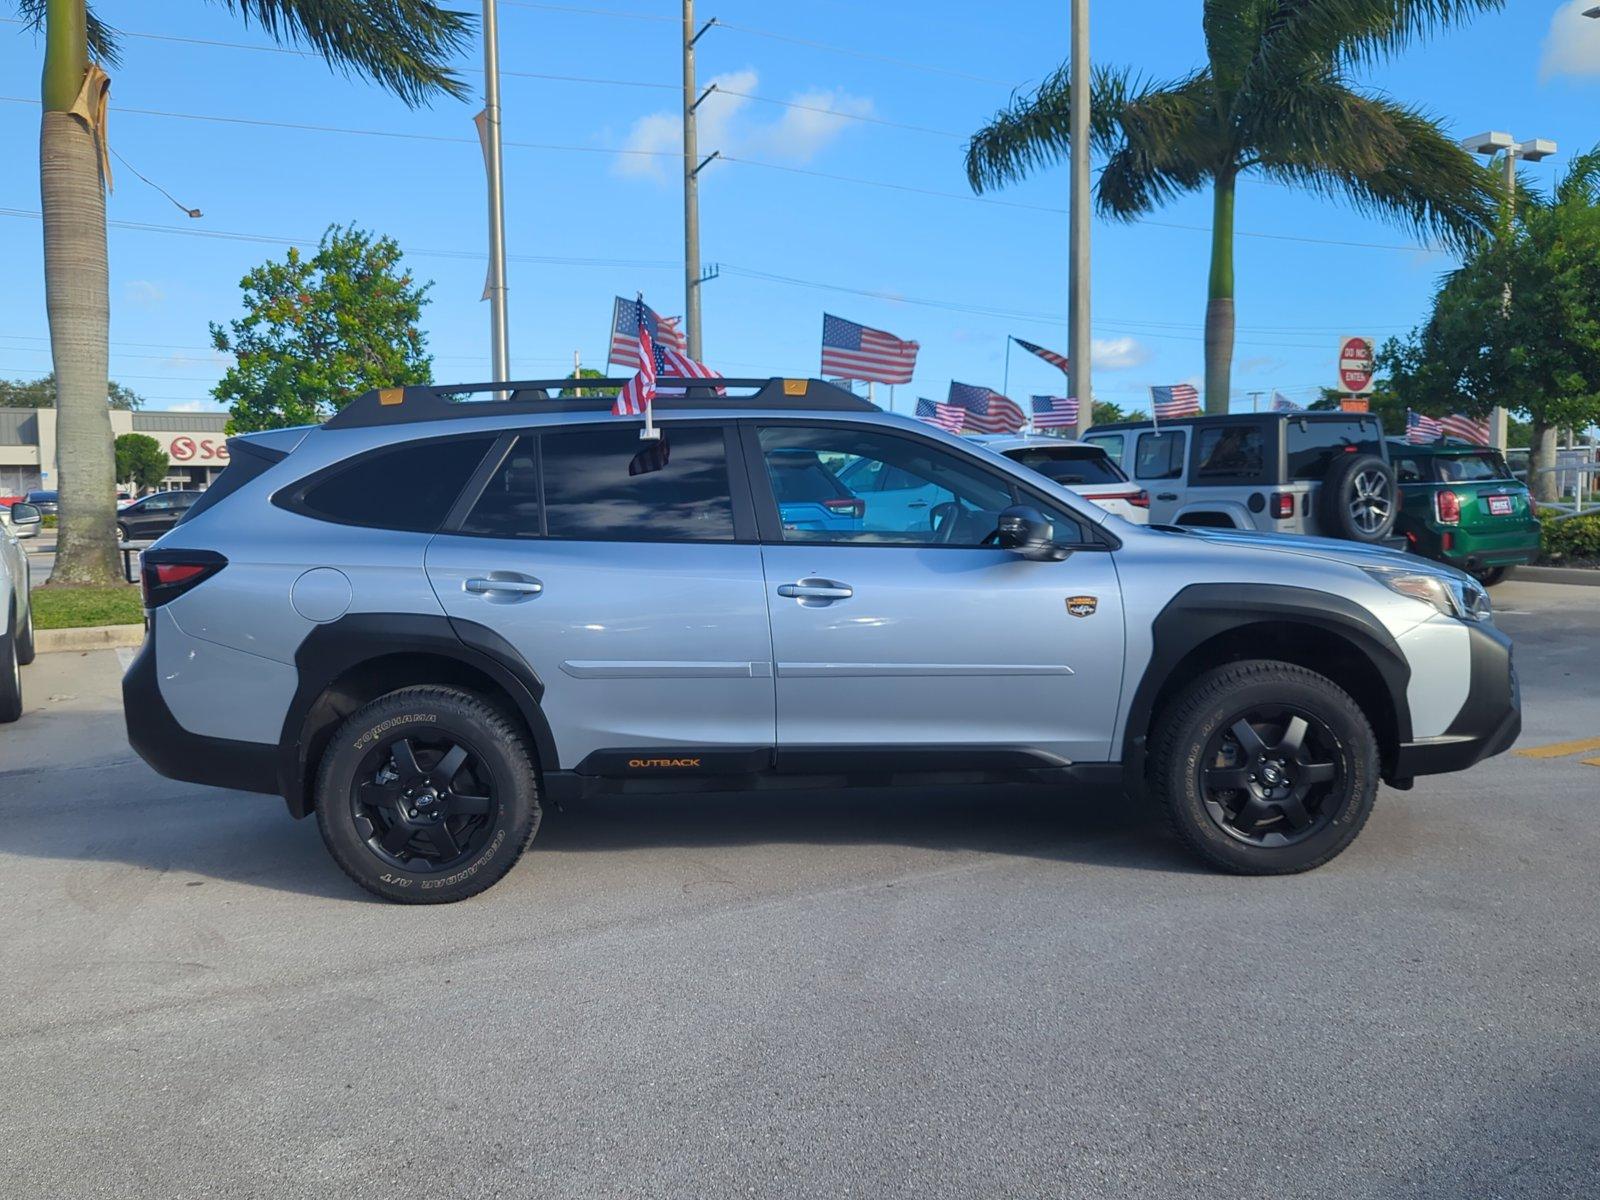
(443, 402)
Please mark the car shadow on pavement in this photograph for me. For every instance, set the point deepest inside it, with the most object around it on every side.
(155, 825)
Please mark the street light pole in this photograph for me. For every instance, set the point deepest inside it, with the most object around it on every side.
(1080, 346)
(691, 187)
(1532, 150)
(494, 289)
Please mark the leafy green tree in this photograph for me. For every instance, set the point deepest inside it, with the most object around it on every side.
(140, 460)
(1107, 412)
(403, 45)
(1390, 407)
(1274, 98)
(319, 331)
(588, 373)
(41, 393)
(1539, 355)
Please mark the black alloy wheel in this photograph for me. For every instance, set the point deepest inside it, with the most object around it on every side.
(1264, 776)
(424, 804)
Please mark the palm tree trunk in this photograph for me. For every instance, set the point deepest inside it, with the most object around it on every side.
(77, 301)
(1219, 305)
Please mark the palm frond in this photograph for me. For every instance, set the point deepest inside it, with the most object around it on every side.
(1358, 31)
(1429, 186)
(103, 44)
(405, 45)
(1581, 183)
(1319, 119)
(1233, 31)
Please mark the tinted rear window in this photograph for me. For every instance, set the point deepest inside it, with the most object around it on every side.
(1225, 453)
(408, 487)
(1312, 446)
(1471, 468)
(1069, 464)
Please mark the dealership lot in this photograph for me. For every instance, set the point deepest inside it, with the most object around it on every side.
(960, 993)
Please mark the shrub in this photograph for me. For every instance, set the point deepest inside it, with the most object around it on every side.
(1574, 538)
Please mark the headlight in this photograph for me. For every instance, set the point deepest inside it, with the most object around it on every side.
(1453, 595)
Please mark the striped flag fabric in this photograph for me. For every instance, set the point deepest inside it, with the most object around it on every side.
(638, 393)
(950, 417)
(854, 351)
(1054, 412)
(1421, 429)
(671, 362)
(627, 316)
(1177, 400)
(1050, 356)
(1282, 403)
(1467, 429)
(987, 410)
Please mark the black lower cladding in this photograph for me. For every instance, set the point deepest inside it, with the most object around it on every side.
(1489, 721)
(156, 736)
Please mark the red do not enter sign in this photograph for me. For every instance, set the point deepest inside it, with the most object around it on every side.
(1356, 355)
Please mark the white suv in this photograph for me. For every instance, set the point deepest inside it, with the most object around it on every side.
(16, 605)
(1082, 466)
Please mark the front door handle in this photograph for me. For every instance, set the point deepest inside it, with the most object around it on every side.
(1166, 495)
(493, 586)
(918, 504)
(816, 591)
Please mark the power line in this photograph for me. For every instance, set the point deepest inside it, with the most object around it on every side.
(866, 54)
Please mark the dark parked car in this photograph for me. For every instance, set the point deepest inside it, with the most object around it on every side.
(146, 519)
(47, 502)
(1461, 505)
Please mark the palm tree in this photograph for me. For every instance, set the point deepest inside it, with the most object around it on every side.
(1274, 98)
(404, 45)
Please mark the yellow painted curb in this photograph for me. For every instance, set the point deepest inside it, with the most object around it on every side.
(1561, 749)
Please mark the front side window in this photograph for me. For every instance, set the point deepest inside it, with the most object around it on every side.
(1311, 446)
(1229, 453)
(923, 495)
(1159, 455)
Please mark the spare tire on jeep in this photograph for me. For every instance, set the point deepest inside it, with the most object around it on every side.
(1358, 501)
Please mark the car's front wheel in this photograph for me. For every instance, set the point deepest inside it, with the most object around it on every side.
(1489, 576)
(1265, 768)
(427, 795)
(10, 671)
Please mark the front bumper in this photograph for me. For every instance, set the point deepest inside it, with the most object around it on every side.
(1489, 721)
(156, 736)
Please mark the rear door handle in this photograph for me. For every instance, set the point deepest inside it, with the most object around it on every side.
(825, 590)
(504, 587)
(1166, 495)
(918, 504)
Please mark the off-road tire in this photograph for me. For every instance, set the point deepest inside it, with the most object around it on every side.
(433, 711)
(1338, 492)
(1212, 702)
(10, 673)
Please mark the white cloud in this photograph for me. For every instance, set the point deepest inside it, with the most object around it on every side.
(1572, 47)
(727, 121)
(143, 293)
(1119, 353)
(191, 406)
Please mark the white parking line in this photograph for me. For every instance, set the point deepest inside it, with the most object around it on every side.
(125, 655)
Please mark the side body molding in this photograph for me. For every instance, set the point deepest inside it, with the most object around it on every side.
(1203, 611)
(361, 639)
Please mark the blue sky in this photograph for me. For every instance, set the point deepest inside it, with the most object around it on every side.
(964, 273)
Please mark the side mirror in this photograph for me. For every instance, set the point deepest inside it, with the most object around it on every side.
(25, 514)
(1024, 530)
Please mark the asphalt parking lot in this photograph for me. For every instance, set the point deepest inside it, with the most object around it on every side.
(965, 993)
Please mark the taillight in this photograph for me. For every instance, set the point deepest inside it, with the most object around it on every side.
(1283, 505)
(1447, 507)
(846, 508)
(1140, 499)
(164, 575)
(1533, 506)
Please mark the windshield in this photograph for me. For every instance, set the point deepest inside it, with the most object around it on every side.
(1069, 464)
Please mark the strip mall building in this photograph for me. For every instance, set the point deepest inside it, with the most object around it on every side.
(195, 444)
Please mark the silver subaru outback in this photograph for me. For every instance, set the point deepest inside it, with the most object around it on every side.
(447, 606)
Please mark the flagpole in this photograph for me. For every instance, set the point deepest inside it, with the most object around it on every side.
(1155, 419)
(891, 397)
(1005, 384)
(870, 399)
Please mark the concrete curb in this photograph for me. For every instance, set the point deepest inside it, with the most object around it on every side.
(88, 637)
(1581, 576)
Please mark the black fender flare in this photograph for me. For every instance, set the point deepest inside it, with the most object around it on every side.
(1203, 611)
(331, 650)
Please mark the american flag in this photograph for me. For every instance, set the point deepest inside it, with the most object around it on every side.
(987, 410)
(949, 417)
(1179, 400)
(625, 322)
(637, 394)
(1468, 429)
(671, 362)
(1282, 403)
(1421, 429)
(1050, 356)
(1054, 412)
(853, 351)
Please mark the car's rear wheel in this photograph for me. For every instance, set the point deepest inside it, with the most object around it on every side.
(122, 532)
(1265, 768)
(427, 795)
(10, 671)
(25, 647)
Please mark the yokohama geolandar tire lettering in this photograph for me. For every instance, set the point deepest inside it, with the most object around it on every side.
(427, 795)
(1264, 768)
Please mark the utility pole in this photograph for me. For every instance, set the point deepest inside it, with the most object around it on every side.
(494, 288)
(1080, 346)
(692, 166)
(1532, 150)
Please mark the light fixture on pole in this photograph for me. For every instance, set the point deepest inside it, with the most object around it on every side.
(1512, 151)
(1080, 345)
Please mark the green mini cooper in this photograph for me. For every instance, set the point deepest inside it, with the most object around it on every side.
(1460, 504)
